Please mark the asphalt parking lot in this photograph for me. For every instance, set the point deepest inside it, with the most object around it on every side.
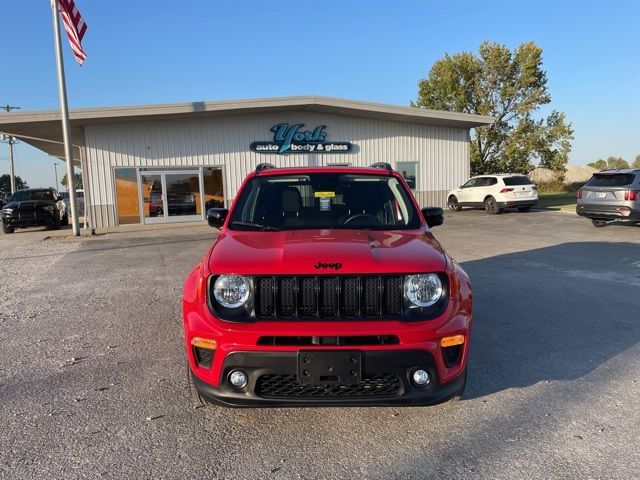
(93, 381)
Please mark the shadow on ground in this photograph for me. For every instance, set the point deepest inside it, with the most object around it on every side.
(553, 313)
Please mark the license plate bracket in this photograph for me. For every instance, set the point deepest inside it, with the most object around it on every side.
(329, 368)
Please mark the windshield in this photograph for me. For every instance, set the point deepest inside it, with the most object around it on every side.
(24, 195)
(324, 200)
(520, 180)
(611, 180)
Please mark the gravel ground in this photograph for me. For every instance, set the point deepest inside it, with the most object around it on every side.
(93, 381)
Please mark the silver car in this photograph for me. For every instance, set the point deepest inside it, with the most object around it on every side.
(611, 195)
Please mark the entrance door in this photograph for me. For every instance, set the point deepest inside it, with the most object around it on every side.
(153, 206)
(171, 196)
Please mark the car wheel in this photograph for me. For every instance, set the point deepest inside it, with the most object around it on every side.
(65, 219)
(198, 400)
(598, 222)
(453, 204)
(458, 394)
(56, 222)
(524, 209)
(491, 206)
(7, 229)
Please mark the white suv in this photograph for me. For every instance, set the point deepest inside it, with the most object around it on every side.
(495, 193)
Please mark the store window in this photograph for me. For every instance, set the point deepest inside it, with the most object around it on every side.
(127, 196)
(409, 172)
(213, 189)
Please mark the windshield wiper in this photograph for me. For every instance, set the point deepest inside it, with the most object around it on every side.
(256, 225)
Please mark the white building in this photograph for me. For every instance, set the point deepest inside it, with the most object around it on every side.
(163, 163)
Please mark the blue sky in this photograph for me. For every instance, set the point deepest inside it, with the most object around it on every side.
(156, 51)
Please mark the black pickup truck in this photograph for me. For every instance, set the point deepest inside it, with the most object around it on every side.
(33, 208)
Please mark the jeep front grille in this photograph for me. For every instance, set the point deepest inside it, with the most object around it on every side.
(329, 297)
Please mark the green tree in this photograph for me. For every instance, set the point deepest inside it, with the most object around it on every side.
(636, 162)
(599, 164)
(617, 162)
(509, 86)
(77, 180)
(5, 184)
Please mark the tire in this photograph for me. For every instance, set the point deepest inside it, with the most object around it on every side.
(458, 394)
(7, 229)
(56, 222)
(597, 222)
(491, 206)
(198, 400)
(65, 219)
(524, 209)
(453, 204)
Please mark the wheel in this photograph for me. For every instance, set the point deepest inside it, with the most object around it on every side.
(56, 222)
(458, 394)
(453, 204)
(7, 229)
(65, 219)
(198, 400)
(524, 209)
(491, 206)
(597, 222)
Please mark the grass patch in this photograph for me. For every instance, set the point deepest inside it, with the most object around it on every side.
(565, 201)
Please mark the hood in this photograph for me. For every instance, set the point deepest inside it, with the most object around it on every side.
(326, 252)
(29, 205)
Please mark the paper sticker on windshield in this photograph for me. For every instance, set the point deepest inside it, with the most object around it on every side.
(325, 204)
(325, 194)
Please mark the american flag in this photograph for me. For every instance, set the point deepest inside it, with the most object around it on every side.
(75, 27)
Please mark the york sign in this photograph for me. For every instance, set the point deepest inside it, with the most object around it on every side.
(294, 139)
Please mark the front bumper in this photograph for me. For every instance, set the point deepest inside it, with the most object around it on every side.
(608, 212)
(398, 364)
(27, 219)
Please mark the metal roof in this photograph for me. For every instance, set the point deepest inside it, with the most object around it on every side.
(43, 129)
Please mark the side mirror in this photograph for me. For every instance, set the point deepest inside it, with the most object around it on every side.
(434, 216)
(216, 217)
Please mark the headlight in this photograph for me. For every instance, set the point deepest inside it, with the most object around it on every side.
(423, 290)
(7, 210)
(231, 291)
(48, 208)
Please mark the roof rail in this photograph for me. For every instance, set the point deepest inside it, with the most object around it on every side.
(383, 165)
(264, 166)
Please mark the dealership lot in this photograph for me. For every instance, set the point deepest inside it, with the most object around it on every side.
(93, 377)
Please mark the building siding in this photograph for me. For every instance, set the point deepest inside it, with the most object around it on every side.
(442, 153)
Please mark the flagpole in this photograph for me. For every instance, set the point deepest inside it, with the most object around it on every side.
(64, 110)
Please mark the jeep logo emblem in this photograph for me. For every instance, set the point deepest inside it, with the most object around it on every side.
(334, 266)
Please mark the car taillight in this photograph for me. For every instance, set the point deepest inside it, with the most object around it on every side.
(631, 195)
(580, 193)
(505, 190)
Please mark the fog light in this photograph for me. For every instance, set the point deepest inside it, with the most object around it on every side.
(421, 378)
(238, 378)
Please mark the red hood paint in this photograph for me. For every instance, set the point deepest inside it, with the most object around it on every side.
(299, 251)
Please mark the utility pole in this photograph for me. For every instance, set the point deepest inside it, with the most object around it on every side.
(11, 141)
(55, 169)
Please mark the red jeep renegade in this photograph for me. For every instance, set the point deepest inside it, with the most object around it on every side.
(326, 287)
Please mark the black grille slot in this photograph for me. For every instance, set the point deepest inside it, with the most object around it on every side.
(329, 297)
(287, 386)
(265, 301)
(329, 289)
(287, 297)
(350, 296)
(371, 296)
(308, 297)
(393, 296)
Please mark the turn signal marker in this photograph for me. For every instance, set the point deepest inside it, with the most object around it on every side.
(204, 343)
(452, 341)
